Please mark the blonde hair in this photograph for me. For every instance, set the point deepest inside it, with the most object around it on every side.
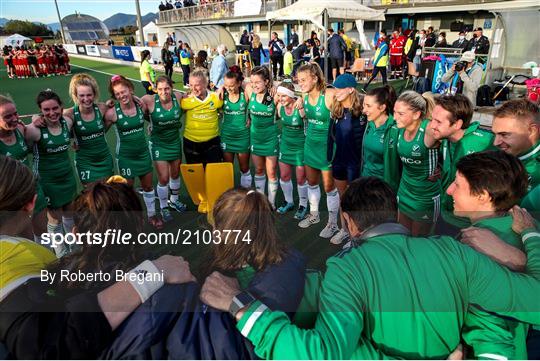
(315, 71)
(417, 102)
(357, 106)
(256, 41)
(6, 99)
(199, 73)
(83, 79)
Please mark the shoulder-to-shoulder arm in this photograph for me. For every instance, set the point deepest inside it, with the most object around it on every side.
(69, 122)
(109, 117)
(179, 95)
(499, 290)
(32, 133)
(147, 103)
(248, 90)
(329, 97)
(68, 112)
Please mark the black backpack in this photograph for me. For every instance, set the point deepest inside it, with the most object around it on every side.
(422, 85)
(483, 97)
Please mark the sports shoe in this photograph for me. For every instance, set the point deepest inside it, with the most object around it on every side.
(156, 222)
(300, 213)
(285, 208)
(347, 245)
(166, 215)
(329, 230)
(139, 190)
(310, 220)
(339, 237)
(177, 206)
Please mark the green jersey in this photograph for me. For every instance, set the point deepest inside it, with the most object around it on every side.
(132, 154)
(165, 143)
(531, 161)
(397, 296)
(234, 133)
(373, 148)
(93, 159)
(418, 197)
(531, 202)
(18, 150)
(263, 132)
(316, 145)
(490, 334)
(53, 164)
(474, 140)
(291, 144)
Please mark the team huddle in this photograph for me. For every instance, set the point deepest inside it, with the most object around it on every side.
(45, 60)
(403, 176)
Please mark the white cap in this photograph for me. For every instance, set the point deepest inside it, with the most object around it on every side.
(467, 56)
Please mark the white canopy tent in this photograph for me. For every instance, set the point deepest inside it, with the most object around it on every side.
(16, 40)
(322, 12)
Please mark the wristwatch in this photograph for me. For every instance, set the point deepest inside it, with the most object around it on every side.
(240, 301)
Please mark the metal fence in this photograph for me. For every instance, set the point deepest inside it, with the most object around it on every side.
(213, 11)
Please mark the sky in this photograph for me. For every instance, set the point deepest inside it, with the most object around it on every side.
(44, 10)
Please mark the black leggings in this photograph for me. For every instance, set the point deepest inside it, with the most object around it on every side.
(169, 70)
(147, 87)
(185, 70)
(203, 152)
(382, 70)
(277, 59)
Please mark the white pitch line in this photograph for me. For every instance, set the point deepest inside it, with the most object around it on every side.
(104, 72)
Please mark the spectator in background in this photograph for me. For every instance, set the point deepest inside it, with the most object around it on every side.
(201, 60)
(185, 61)
(441, 40)
(348, 52)
(467, 80)
(276, 47)
(431, 38)
(294, 38)
(316, 52)
(169, 5)
(167, 60)
(244, 38)
(298, 54)
(162, 7)
(336, 49)
(255, 50)
(380, 60)
(479, 44)
(461, 42)
(169, 39)
(288, 61)
(397, 43)
(177, 50)
(219, 67)
(178, 4)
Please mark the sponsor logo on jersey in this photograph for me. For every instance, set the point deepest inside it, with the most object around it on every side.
(92, 136)
(415, 150)
(315, 121)
(410, 160)
(59, 149)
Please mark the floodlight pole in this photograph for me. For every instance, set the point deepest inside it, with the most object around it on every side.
(60, 20)
(139, 22)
